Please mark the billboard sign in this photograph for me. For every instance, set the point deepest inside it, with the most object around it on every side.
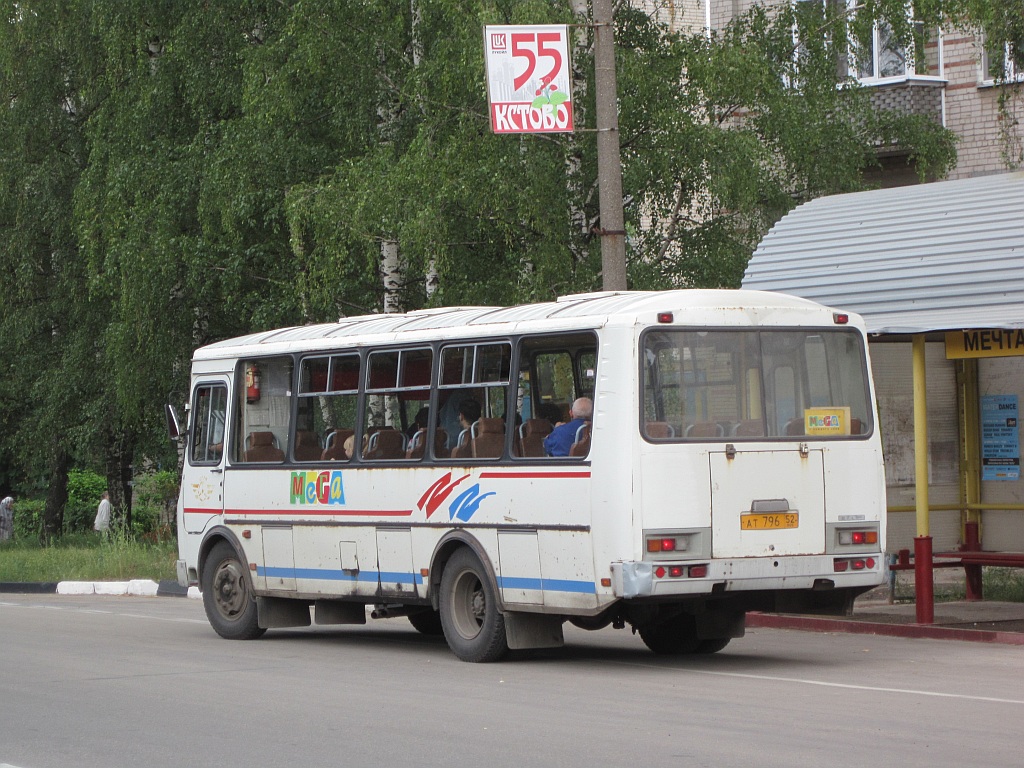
(528, 79)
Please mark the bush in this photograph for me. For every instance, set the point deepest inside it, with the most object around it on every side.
(156, 494)
(28, 519)
(84, 491)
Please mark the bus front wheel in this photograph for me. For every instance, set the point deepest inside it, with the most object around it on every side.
(229, 603)
(472, 623)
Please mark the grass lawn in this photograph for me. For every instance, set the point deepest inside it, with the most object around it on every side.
(87, 558)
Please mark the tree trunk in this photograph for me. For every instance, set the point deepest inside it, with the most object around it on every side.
(57, 495)
(120, 453)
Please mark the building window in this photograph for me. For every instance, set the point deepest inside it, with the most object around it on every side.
(883, 57)
(1002, 63)
(879, 58)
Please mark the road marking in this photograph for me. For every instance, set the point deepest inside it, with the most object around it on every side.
(93, 610)
(827, 684)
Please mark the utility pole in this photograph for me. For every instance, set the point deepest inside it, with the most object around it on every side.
(609, 164)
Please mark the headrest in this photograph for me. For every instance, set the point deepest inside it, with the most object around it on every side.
(262, 438)
(490, 426)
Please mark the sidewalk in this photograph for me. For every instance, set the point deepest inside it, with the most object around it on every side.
(979, 621)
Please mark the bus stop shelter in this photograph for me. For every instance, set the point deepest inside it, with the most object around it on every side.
(937, 272)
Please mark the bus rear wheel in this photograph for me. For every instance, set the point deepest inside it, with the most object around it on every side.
(229, 603)
(672, 637)
(472, 623)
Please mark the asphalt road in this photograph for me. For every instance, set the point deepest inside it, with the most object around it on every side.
(107, 681)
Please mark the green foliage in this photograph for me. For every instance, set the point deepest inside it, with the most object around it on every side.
(84, 491)
(155, 496)
(178, 172)
(28, 520)
(86, 557)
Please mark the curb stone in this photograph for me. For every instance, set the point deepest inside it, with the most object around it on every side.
(133, 588)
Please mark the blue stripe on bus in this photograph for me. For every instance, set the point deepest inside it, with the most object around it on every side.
(504, 582)
(324, 574)
(547, 585)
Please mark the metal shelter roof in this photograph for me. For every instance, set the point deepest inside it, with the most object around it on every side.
(941, 256)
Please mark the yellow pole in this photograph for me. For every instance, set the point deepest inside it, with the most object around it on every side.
(924, 585)
(920, 437)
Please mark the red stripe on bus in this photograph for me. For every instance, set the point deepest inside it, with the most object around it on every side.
(533, 475)
(323, 511)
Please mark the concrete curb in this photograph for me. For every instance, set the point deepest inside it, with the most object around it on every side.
(918, 631)
(132, 588)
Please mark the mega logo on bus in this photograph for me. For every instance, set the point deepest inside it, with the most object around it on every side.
(317, 488)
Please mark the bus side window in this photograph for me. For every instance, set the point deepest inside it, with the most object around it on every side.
(209, 414)
(263, 410)
(327, 399)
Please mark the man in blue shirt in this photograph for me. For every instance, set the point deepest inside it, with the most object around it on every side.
(563, 436)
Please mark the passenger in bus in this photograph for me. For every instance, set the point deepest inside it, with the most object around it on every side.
(420, 422)
(469, 412)
(563, 436)
(350, 446)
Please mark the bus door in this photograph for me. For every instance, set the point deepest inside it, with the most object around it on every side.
(203, 478)
(767, 503)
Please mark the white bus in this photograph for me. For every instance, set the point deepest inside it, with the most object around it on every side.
(398, 465)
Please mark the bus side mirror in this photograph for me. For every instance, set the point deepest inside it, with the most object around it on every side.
(173, 425)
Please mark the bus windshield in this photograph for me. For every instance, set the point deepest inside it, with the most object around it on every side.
(754, 384)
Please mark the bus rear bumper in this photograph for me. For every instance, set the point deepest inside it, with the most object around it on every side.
(640, 579)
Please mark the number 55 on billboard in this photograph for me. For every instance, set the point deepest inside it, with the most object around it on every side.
(528, 79)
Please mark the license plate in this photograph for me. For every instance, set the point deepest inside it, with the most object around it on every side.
(768, 521)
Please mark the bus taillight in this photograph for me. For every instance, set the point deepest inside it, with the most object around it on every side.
(856, 537)
(841, 564)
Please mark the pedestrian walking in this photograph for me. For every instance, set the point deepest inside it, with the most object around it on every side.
(7, 519)
(102, 522)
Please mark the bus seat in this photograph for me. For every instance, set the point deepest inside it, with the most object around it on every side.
(748, 428)
(705, 429)
(307, 446)
(531, 436)
(387, 443)
(794, 427)
(335, 450)
(463, 449)
(581, 447)
(263, 448)
(660, 430)
(488, 438)
(416, 445)
(855, 426)
(419, 443)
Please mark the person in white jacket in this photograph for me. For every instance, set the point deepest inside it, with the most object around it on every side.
(102, 522)
(6, 519)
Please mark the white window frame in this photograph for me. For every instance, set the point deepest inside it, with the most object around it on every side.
(1011, 72)
(852, 63)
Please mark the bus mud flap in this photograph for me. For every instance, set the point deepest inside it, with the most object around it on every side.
(337, 612)
(277, 612)
(533, 630)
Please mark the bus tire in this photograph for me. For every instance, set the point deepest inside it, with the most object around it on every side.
(712, 645)
(427, 622)
(672, 637)
(228, 600)
(472, 623)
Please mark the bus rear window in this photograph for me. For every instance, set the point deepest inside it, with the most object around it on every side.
(750, 384)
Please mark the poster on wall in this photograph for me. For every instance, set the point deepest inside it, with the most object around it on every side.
(1000, 438)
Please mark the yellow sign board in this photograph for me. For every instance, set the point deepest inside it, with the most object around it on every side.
(827, 421)
(990, 342)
